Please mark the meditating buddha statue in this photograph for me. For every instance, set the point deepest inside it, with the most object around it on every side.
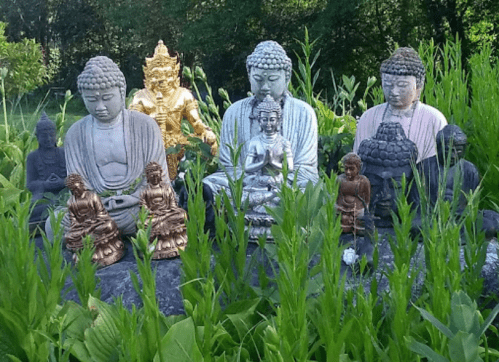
(402, 79)
(354, 195)
(89, 217)
(45, 168)
(269, 71)
(386, 157)
(461, 176)
(111, 147)
(167, 219)
(164, 100)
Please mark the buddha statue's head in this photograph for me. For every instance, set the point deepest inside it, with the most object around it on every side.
(269, 70)
(75, 183)
(161, 71)
(103, 88)
(269, 115)
(352, 165)
(402, 78)
(451, 144)
(153, 173)
(46, 132)
(386, 157)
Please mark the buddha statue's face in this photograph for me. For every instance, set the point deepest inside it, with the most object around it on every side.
(163, 78)
(268, 82)
(351, 171)
(400, 90)
(77, 188)
(104, 104)
(385, 182)
(154, 178)
(269, 122)
(46, 138)
(451, 150)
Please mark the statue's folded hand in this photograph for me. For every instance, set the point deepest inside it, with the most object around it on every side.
(120, 202)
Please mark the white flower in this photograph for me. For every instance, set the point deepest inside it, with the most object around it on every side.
(349, 256)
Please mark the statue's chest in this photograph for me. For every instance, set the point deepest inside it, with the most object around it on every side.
(109, 146)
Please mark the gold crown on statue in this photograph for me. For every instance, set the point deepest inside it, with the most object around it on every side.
(161, 58)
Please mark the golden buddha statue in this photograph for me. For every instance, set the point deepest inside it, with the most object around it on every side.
(164, 100)
(166, 218)
(89, 217)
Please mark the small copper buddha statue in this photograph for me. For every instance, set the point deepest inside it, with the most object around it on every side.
(89, 217)
(166, 218)
(354, 195)
(45, 168)
(386, 157)
(164, 100)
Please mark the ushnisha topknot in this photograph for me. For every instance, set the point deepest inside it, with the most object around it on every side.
(72, 179)
(269, 55)
(451, 131)
(45, 123)
(151, 167)
(354, 158)
(405, 61)
(102, 73)
(389, 147)
(269, 105)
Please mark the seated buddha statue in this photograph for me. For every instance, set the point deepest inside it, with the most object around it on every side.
(89, 217)
(269, 70)
(386, 157)
(354, 195)
(167, 219)
(45, 168)
(402, 80)
(164, 100)
(450, 170)
(111, 146)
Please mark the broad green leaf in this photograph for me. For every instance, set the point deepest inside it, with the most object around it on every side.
(179, 344)
(242, 321)
(436, 323)
(102, 338)
(464, 348)
(464, 318)
(424, 350)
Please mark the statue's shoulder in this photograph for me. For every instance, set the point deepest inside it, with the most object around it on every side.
(300, 104)
(235, 108)
(77, 129)
(371, 112)
(140, 118)
(433, 112)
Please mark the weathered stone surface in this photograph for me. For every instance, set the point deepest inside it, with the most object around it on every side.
(115, 279)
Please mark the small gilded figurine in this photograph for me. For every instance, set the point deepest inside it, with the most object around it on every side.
(354, 195)
(45, 167)
(89, 217)
(164, 100)
(266, 151)
(166, 218)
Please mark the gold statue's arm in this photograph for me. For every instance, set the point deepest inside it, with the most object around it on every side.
(201, 130)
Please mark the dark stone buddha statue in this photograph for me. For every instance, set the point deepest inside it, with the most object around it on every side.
(461, 176)
(45, 168)
(386, 157)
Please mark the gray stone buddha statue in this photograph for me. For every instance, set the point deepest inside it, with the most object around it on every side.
(269, 71)
(111, 147)
(402, 79)
(386, 157)
(45, 168)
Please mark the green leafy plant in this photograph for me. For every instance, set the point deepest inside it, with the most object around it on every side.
(465, 331)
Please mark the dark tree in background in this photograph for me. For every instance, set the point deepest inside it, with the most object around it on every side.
(354, 35)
